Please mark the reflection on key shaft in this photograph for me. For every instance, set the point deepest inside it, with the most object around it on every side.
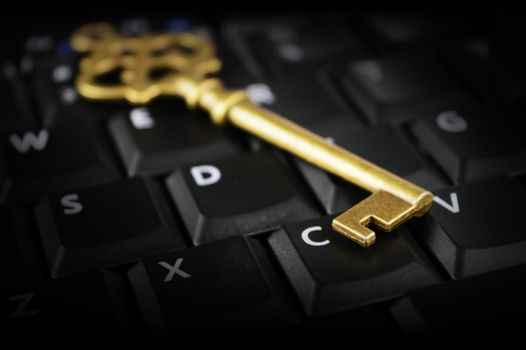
(393, 200)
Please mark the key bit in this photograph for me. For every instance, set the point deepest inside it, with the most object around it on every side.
(187, 60)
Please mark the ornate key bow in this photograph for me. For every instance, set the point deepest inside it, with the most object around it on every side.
(179, 64)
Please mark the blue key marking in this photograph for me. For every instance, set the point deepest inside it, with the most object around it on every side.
(178, 25)
(63, 48)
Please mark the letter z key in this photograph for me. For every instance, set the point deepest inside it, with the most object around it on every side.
(188, 59)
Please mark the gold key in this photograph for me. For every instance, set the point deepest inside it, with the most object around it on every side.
(179, 64)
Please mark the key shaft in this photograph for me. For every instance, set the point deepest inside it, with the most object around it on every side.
(394, 199)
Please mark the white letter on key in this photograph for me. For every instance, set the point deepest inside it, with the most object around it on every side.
(175, 269)
(305, 236)
(205, 175)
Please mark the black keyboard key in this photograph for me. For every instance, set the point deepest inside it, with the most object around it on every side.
(471, 141)
(308, 100)
(472, 59)
(15, 107)
(4, 181)
(71, 154)
(383, 146)
(397, 87)
(276, 47)
(89, 300)
(487, 306)
(53, 86)
(221, 285)
(492, 65)
(236, 196)
(331, 273)
(508, 74)
(32, 41)
(105, 225)
(19, 260)
(56, 97)
(307, 97)
(395, 29)
(157, 139)
(475, 228)
(364, 321)
(234, 72)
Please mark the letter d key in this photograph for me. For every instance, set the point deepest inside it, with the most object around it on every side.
(190, 59)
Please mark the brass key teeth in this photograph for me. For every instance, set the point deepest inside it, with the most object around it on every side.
(381, 209)
(185, 61)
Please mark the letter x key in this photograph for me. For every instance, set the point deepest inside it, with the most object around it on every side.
(175, 269)
(187, 60)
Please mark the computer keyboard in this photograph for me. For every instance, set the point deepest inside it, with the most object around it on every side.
(149, 220)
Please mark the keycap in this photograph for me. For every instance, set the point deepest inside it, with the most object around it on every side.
(482, 307)
(365, 321)
(235, 70)
(472, 141)
(156, 139)
(19, 254)
(105, 225)
(277, 46)
(33, 41)
(53, 88)
(508, 73)
(394, 29)
(397, 87)
(15, 111)
(304, 98)
(71, 154)
(329, 273)
(86, 301)
(472, 59)
(4, 181)
(295, 89)
(336, 195)
(492, 65)
(466, 230)
(240, 195)
(189, 60)
(224, 285)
